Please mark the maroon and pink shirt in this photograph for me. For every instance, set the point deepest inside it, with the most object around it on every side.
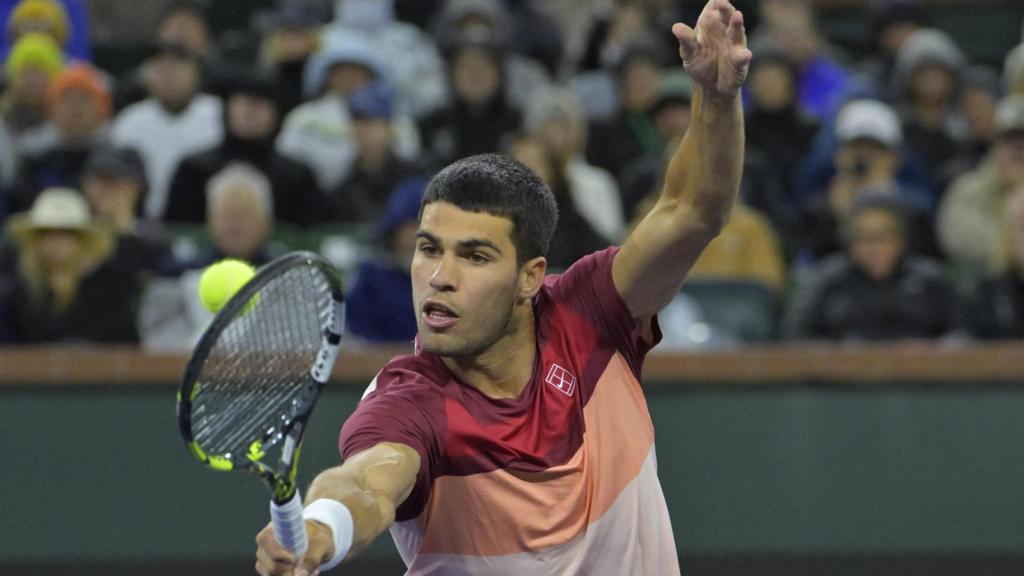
(560, 480)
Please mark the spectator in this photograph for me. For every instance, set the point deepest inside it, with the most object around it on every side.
(996, 301)
(364, 195)
(868, 158)
(969, 218)
(239, 215)
(775, 123)
(926, 80)
(176, 120)
(65, 286)
(188, 22)
(978, 99)
(613, 34)
(239, 221)
(53, 154)
(291, 37)
(252, 117)
(557, 118)
(412, 63)
(489, 21)
(480, 116)
(891, 23)
(779, 136)
(574, 236)
(878, 289)
(319, 132)
(670, 114)
(33, 63)
(181, 23)
(114, 184)
(66, 21)
(790, 26)
(976, 115)
(673, 104)
(184, 22)
(380, 308)
(746, 249)
(629, 136)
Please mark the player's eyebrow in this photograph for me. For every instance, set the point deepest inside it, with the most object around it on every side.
(474, 243)
(467, 244)
(428, 236)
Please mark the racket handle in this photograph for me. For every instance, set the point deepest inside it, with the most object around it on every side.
(289, 526)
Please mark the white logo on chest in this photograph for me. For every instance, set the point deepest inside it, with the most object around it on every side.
(561, 379)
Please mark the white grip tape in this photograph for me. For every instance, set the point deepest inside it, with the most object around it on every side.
(337, 517)
(289, 526)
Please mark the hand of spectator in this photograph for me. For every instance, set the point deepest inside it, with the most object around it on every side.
(715, 52)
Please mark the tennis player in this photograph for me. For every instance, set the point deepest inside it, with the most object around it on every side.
(516, 440)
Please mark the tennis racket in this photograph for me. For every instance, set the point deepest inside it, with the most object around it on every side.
(255, 375)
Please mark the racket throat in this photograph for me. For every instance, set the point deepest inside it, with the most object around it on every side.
(283, 483)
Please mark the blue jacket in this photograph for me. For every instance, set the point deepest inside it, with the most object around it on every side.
(379, 304)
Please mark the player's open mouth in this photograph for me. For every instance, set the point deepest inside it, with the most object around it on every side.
(438, 316)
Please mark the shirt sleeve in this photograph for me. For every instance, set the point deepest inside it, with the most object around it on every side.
(588, 290)
(401, 418)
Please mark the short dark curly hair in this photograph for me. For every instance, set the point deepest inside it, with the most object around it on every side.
(498, 185)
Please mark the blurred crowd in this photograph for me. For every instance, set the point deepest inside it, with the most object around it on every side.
(882, 198)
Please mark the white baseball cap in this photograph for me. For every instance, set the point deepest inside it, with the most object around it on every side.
(869, 120)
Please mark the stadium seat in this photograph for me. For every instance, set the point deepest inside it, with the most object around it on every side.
(744, 310)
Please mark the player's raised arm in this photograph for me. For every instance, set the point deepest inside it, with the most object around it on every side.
(370, 486)
(703, 177)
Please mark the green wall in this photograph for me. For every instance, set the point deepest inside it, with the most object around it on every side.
(101, 474)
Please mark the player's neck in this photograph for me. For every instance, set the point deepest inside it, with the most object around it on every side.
(504, 369)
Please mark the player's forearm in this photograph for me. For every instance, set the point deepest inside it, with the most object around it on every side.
(372, 512)
(703, 176)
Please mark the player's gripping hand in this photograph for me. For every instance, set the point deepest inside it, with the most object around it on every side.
(714, 51)
(272, 559)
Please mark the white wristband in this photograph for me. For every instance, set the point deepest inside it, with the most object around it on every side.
(335, 516)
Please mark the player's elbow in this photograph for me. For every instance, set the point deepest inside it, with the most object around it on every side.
(704, 220)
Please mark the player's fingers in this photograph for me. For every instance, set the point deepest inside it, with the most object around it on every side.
(724, 10)
(736, 32)
(320, 550)
(717, 17)
(742, 57)
(687, 39)
(268, 543)
(268, 565)
(271, 552)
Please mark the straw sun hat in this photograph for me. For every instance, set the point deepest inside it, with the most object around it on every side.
(61, 209)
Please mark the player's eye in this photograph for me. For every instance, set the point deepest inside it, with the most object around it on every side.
(428, 249)
(478, 258)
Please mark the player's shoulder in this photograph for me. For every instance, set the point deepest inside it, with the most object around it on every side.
(408, 375)
(587, 268)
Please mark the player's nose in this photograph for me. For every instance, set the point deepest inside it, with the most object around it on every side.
(444, 276)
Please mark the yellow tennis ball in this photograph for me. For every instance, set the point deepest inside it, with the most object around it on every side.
(221, 280)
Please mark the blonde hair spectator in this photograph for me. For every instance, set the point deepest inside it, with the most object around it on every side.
(59, 244)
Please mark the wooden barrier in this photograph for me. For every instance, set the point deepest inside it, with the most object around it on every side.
(753, 366)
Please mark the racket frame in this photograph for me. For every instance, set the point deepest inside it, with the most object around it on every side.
(286, 506)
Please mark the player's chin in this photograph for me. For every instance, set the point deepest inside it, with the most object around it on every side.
(442, 344)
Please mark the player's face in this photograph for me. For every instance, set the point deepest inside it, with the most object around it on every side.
(465, 280)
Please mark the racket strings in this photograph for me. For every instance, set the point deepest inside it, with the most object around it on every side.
(251, 381)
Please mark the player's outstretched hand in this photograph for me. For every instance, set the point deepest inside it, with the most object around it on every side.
(715, 52)
(272, 559)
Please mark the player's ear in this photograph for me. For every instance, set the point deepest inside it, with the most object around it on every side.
(531, 277)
